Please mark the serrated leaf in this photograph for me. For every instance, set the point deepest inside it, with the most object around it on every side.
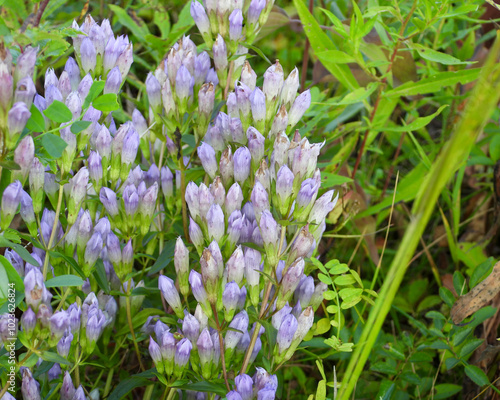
(477, 375)
(470, 346)
(446, 390)
(58, 112)
(53, 144)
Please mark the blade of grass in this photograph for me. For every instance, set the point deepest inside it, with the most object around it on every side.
(481, 103)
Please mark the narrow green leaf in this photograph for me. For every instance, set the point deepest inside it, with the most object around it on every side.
(64, 280)
(139, 31)
(437, 56)
(165, 257)
(446, 390)
(435, 83)
(58, 112)
(415, 125)
(336, 56)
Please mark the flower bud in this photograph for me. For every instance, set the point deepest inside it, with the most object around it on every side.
(114, 82)
(233, 199)
(10, 201)
(154, 352)
(199, 293)
(284, 189)
(230, 299)
(255, 145)
(182, 353)
(30, 388)
(196, 235)
(73, 71)
(76, 194)
(273, 81)
(239, 325)
(210, 275)
(290, 281)
(153, 89)
(206, 200)
(205, 347)
(232, 106)
(181, 262)
(290, 88)
(25, 63)
(201, 19)
(17, 118)
(207, 157)
(113, 249)
(254, 11)
(243, 97)
(6, 86)
(215, 223)
(28, 321)
(299, 107)
(260, 200)
(235, 25)
(286, 332)
(220, 55)
(258, 105)
(184, 83)
(23, 156)
(233, 395)
(67, 388)
(108, 199)
(190, 327)
(301, 247)
(321, 208)
(92, 252)
(25, 91)
(242, 161)
(87, 55)
(171, 295)
(317, 296)
(218, 191)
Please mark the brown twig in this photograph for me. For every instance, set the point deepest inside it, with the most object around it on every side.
(383, 83)
(39, 14)
(305, 60)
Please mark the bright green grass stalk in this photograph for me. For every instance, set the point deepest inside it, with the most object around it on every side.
(481, 104)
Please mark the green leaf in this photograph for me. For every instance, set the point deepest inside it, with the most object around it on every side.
(79, 126)
(446, 390)
(4, 284)
(411, 377)
(204, 386)
(321, 390)
(36, 122)
(183, 24)
(106, 103)
(336, 56)
(415, 125)
(127, 385)
(435, 83)
(320, 43)
(358, 95)
(477, 375)
(481, 272)
(437, 56)
(64, 280)
(12, 274)
(447, 296)
(469, 347)
(23, 253)
(461, 335)
(324, 278)
(94, 91)
(459, 283)
(349, 294)
(344, 280)
(100, 276)
(165, 257)
(322, 326)
(53, 144)
(451, 362)
(58, 112)
(138, 31)
(10, 165)
(421, 356)
(53, 357)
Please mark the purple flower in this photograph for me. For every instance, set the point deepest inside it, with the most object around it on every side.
(10, 201)
(182, 353)
(215, 222)
(260, 200)
(17, 118)
(235, 25)
(87, 55)
(207, 157)
(273, 78)
(286, 332)
(171, 295)
(255, 144)
(220, 54)
(108, 199)
(242, 162)
(190, 327)
(114, 82)
(299, 107)
(238, 326)
(197, 287)
(200, 17)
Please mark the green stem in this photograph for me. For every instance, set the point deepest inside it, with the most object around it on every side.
(131, 326)
(482, 102)
(109, 379)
